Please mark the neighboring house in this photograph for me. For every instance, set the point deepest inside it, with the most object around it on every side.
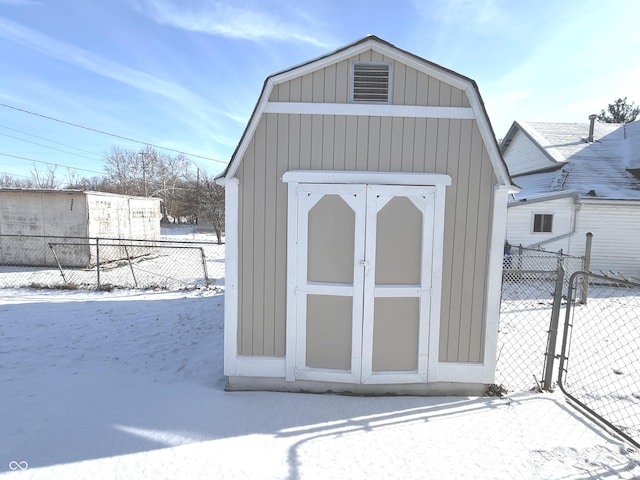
(365, 220)
(31, 219)
(577, 178)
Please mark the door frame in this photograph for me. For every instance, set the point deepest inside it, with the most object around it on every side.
(308, 195)
(428, 361)
(423, 198)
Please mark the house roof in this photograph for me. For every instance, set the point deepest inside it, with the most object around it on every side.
(596, 170)
(371, 42)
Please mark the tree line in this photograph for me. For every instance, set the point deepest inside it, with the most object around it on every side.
(189, 194)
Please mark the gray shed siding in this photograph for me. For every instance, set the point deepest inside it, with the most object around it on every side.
(331, 85)
(284, 142)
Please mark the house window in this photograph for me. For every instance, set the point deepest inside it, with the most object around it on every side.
(542, 222)
(371, 82)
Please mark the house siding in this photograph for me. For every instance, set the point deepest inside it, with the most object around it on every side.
(520, 224)
(524, 156)
(616, 229)
(611, 250)
(284, 142)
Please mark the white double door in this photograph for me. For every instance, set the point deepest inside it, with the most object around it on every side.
(363, 282)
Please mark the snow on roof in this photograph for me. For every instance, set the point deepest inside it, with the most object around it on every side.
(595, 169)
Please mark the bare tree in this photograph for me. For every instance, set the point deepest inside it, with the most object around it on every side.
(171, 178)
(147, 172)
(45, 179)
(9, 181)
(209, 198)
(124, 170)
(98, 184)
(144, 172)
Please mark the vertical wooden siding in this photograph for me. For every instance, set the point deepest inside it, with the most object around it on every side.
(331, 85)
(284, 142)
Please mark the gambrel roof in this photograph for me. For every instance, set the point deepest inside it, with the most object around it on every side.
(476, 110)
(547, 157)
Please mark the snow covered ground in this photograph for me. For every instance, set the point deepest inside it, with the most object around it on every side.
(129, 384)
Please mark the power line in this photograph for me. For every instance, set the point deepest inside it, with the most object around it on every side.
(110, 134)
(49, 140)
(153, 183)
(46, 146)
(50, 163)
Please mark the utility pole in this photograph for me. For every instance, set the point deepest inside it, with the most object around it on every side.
(198, 194)
(144, 174)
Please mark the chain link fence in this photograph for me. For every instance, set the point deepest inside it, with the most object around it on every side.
(600, 360)
(529, 294)
(523, 258)
(106, 263)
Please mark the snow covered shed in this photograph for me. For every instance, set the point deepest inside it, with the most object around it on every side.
(30, 219)
(365, 220)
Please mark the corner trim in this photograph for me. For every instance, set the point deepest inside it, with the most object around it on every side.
(231, 196)
(494, 288)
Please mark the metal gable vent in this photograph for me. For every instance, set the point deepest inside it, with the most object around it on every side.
(371, 82)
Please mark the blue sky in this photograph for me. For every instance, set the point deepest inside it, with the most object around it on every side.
(186, 74)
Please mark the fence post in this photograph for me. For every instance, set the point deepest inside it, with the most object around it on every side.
(133, 274)
(584, 292)
(98, 261)
(204, 266)
(58, 262)
(559, 259)
(550, 355)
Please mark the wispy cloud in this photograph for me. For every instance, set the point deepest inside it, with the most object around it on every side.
(93, 62)
(237, 20)
(20, 3)
(197, 112)
(476, 14)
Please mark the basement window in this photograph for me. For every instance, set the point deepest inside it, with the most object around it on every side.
(542, 222)
(371, 82)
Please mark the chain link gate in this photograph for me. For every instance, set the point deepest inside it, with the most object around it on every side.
(529, 314)
(600, 360)
(533, 282)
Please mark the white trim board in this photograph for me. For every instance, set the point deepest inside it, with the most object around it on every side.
(369, 178)
(259, 366)
(274, 367)
(372, 110)
(231, 276)
(494, 276)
